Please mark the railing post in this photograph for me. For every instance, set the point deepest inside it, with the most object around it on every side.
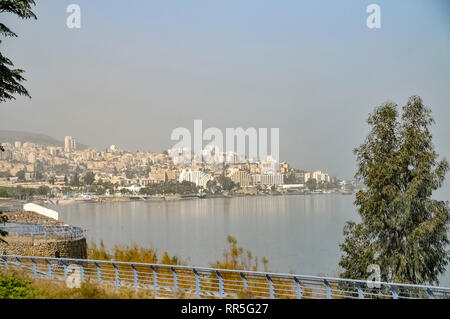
(135, 277)
(197, 283)
(116, 276)
(155, 280)
(221, 293)
(5, 261)
(65, 269)
(430, 293)
(327, 285)
(271, 290)
(360, 291)
(299, 288)
(245, 281)
(20, 262)
(34, 268)
(175, 280)
(99, 272)
(81, 271)
(49, 266)
(394, 292)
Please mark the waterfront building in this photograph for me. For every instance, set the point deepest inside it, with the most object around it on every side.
(161, 175)
(242, 178)
(318, 176)
(268, 179)
(198, 177)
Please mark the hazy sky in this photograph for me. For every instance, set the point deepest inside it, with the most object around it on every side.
(138, 69)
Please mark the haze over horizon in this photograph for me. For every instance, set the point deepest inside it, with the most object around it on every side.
(132, 74)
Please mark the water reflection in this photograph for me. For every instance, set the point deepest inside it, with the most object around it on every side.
(299, 233)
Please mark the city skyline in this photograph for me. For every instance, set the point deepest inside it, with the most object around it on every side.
(131, 80)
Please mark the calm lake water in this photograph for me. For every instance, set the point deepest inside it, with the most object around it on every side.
(299, 233)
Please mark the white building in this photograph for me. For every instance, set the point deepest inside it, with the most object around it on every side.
(198, 177)
(318, 176)
(70, 144)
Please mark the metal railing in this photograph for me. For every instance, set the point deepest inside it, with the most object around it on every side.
(170, 281)
(33, 232)
(11, 208)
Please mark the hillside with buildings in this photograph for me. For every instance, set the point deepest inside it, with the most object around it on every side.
(66, 169)
(11, 137)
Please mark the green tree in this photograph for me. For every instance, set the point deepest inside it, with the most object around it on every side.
(21, 175)
(211, 185)
(403, 230)
(75, 180)
(43, 190)
(89, 178)
(10, 78)
(311, 184)
(226, 182)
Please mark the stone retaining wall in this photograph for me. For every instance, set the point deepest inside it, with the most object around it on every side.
(75, 248)
(22, 245)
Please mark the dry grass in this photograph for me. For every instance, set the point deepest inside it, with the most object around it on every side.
(132, 253)
(15, 284)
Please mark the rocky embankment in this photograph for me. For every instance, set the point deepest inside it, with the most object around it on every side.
(49, 245)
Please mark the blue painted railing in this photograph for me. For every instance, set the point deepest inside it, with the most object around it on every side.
(174, 281)
(32, 232)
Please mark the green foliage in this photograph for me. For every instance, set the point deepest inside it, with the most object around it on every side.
(403, 229)
(12, 287)
(311, 184)
(20, 175)
(10, 78)
(17, 285)
(89, 178)
(5, 174)
(75, 180)
(291, 179)
(3, 219)
(184, 187)
(43, 190)
(19, 191)
(226, 183)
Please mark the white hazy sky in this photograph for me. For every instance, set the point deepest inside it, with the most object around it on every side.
(138, 69)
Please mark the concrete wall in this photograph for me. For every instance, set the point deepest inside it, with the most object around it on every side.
(40, 210)
(63, 248)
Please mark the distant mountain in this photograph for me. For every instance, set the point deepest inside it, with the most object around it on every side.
(13, 136)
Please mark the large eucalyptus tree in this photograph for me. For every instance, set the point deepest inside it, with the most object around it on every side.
(403, 229)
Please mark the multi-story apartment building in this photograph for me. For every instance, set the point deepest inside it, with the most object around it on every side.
(198, 177)
(268, 179)
(318, 176)
(158, 175)
(70, 144)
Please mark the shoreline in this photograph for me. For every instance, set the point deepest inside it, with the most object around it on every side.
(6, 202)
(180, 198)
